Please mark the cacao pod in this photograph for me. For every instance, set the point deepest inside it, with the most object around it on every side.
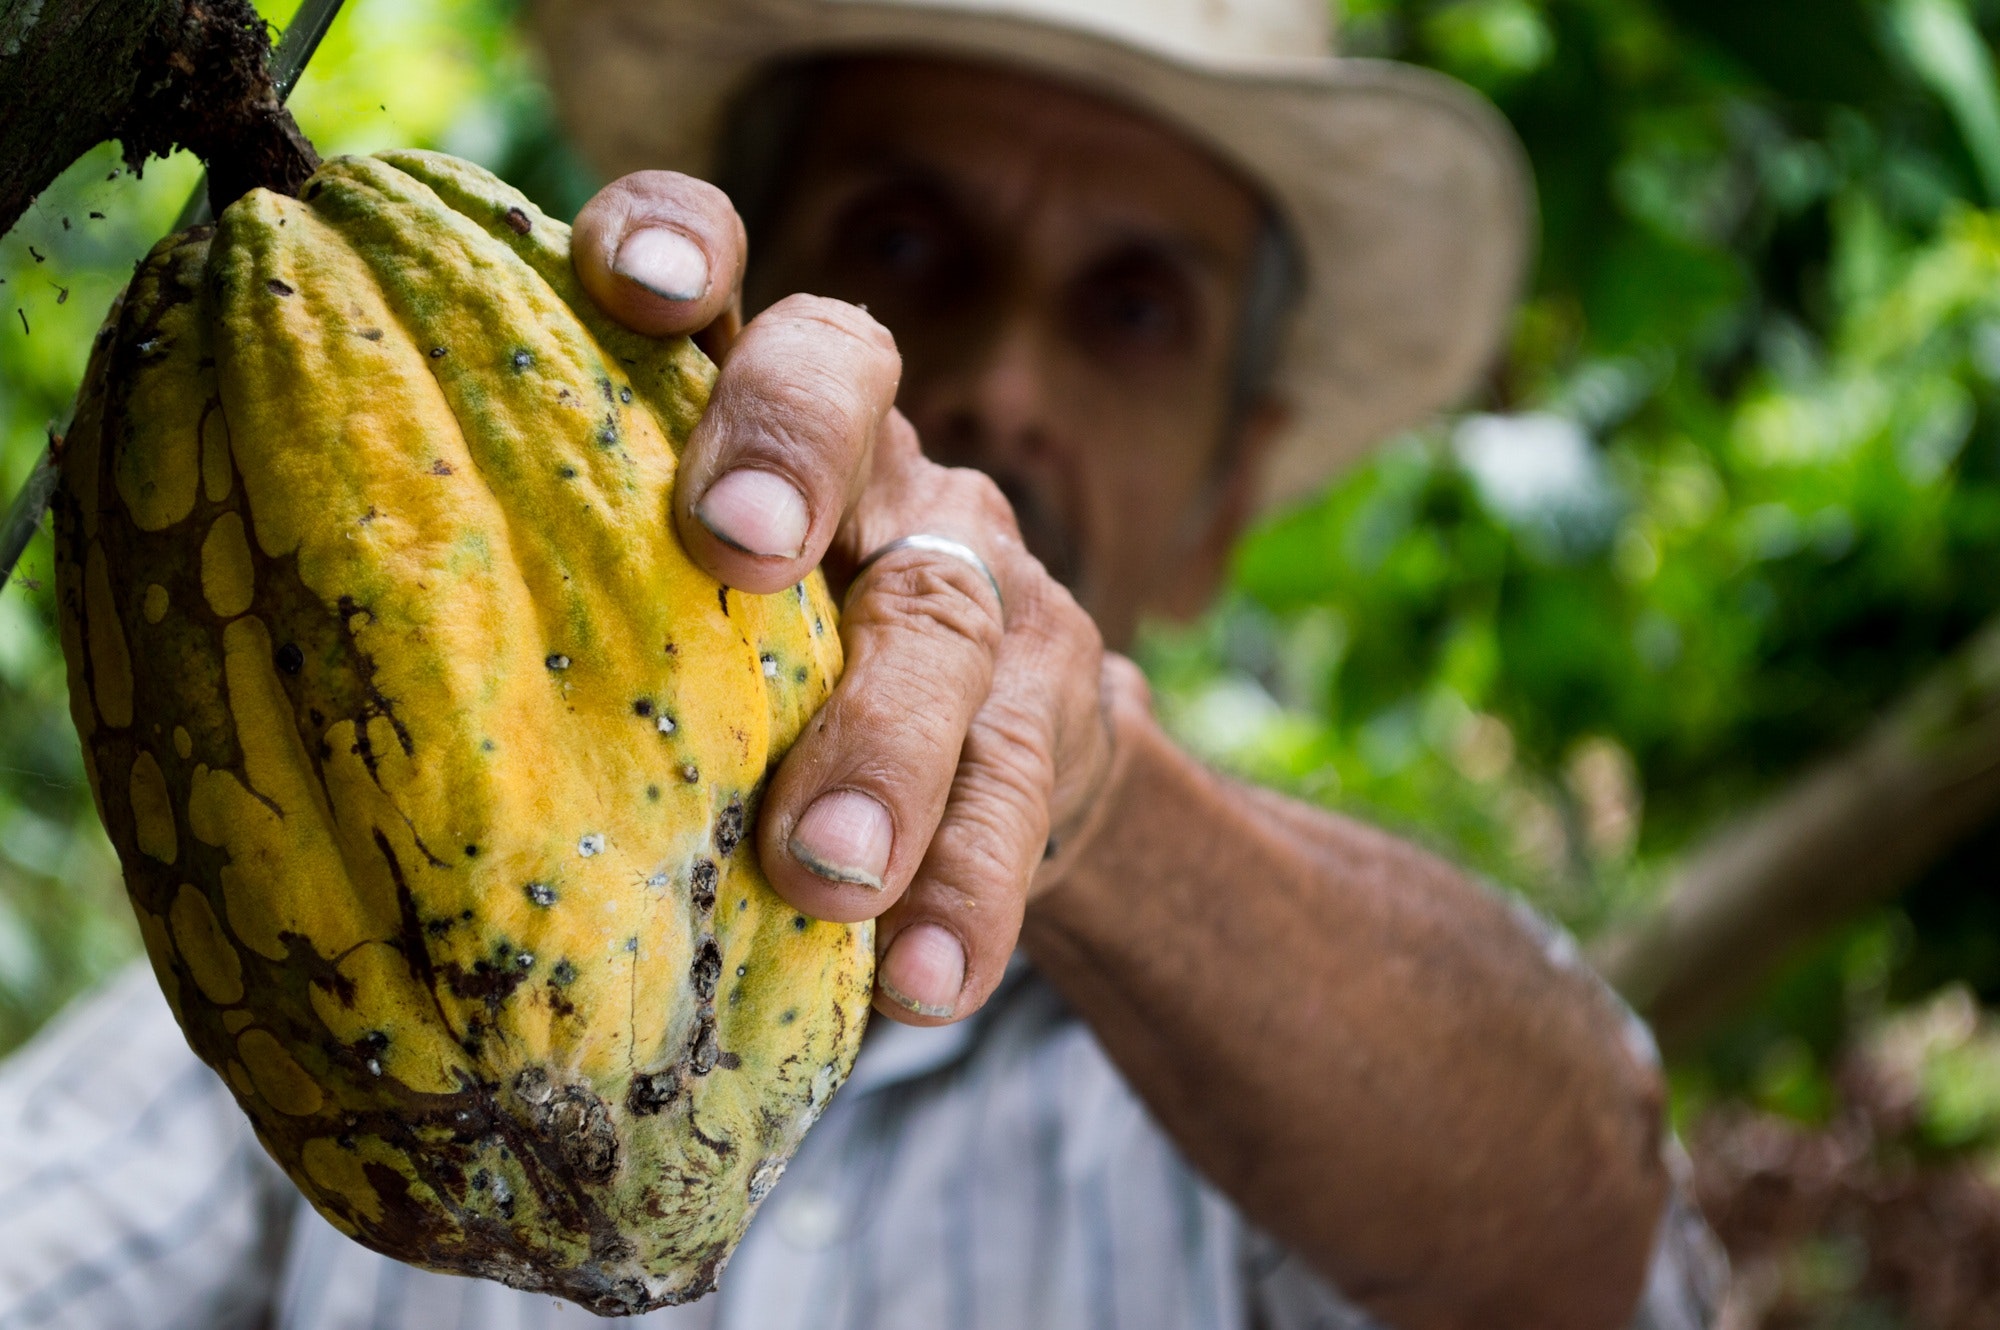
(429, 754)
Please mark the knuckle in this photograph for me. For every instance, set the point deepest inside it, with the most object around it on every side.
(931, 598)
(838, 316)
(1008, 746)
(981, 497)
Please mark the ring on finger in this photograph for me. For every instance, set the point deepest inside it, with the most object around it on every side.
(931, 544)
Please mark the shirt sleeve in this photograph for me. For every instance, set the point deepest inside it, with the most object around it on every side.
(133, 1194)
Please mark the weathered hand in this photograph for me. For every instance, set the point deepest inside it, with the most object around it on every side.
(968, 735)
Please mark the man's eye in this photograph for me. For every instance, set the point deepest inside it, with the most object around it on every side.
(900, 238)
(1136, 304)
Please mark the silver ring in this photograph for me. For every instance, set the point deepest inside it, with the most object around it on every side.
(933, 545)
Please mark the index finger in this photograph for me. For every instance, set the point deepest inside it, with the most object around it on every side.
(660, 252)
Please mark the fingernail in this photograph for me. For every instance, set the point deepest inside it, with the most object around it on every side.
(845, 837)
(758, 512)
(665, 262)
(924, 970)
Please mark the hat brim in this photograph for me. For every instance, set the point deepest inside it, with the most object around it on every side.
(1407, 193)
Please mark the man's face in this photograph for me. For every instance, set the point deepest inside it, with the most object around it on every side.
(1065, 280)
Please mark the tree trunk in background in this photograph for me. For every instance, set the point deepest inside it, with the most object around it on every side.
(155, 74)
(1848, 835)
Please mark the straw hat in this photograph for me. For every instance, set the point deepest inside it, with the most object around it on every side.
(1407, 193)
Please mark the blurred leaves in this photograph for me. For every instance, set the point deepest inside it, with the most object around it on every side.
(1735, 488)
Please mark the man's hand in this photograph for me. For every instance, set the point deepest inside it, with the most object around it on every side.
(969, 732)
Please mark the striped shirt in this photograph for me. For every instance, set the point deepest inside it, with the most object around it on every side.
(997, 1174)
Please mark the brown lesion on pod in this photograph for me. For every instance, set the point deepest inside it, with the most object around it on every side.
(703, 879)
(573, 1120)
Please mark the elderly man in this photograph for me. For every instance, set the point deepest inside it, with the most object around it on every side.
(1091, 282)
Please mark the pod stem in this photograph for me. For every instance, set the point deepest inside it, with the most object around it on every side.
(212, 93)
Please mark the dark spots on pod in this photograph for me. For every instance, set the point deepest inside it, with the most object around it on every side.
(722, 598)
(651, 1094)
(799, 675)
(540, 893)
(573, 1120)
(673, 650)
(315, 715)
(472, 851)
(491, 980)
(438, 353)
(742, 970)
(653, 793)
(607, 432)
(521, 359)
(312, 191)
(819, 627)
(350, 610)
(798, 923)
(791, 1014)
(518, 222)
(729, 827)
(728, 1061)
(371, 334)
(625, 396)
(524, 960)
(643, 707)
(707, 968)
(769, 664)
(486, 745)
(690, 773)
(557, 662)
(442, 468)
(290, 659)
(277, 288)
(566, 472)
(799, 592)
(702, 1051)
(465, 915)
(438, 927)
(702, 880)
(562, 974)
(742, 905)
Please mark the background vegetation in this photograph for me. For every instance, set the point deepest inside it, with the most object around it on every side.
(1735, 489)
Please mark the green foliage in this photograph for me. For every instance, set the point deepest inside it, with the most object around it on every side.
(1736, 487)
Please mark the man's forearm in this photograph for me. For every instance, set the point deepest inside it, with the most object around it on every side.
(1363, 1048)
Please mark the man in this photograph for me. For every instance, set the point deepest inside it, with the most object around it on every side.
(1160, 1049)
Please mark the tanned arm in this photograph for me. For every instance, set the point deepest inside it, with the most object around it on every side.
(1366, 1050)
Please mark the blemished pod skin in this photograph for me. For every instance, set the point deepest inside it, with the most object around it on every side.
(429, 754)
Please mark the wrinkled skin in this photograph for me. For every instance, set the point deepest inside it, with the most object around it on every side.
(431, 758)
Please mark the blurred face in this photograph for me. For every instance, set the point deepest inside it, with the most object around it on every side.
(1065, 279)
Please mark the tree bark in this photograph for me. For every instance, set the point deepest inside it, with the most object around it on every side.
(1849, 835)
(155, 74)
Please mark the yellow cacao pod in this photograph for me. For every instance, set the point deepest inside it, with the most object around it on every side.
(429, 754)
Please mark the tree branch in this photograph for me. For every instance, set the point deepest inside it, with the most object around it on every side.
(155, 74)
(1851, 834)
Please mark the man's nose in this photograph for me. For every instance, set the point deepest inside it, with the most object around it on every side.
(992, 409)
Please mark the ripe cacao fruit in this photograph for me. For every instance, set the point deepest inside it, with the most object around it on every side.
(429, 754)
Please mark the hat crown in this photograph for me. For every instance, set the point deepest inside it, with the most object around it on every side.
(1214, 29)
